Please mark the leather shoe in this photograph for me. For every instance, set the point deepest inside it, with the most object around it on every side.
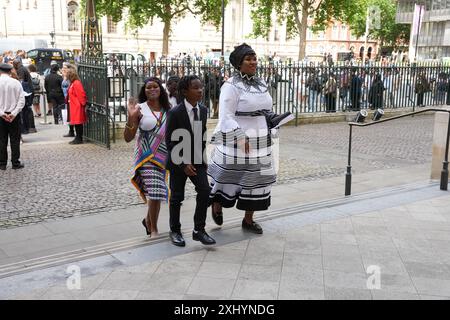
(145, 226)
(253, 227)
(217, 217)
(69, 135)
(177, 238)
(18, 166)
(75, 141)
(203, 237)
(2, 167)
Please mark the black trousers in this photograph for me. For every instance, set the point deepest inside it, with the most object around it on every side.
(24, 118)
(11, 130)
(31, 123)
(57, 114)
(448, 94)
(330, 103)
(420, 99)
(78, 132)
(355, 99)
(177, 186)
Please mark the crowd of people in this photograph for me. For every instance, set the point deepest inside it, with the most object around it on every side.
(331, 89)
(62, 89)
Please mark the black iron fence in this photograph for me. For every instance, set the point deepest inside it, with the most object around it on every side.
(97, 128)
(296, 87)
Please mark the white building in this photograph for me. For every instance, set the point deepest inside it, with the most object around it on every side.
(37, 18)
(434, 39)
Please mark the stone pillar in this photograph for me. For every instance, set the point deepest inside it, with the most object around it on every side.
(439, 140)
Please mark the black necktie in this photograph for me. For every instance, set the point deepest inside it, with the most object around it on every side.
(198, 152)
(195, 113)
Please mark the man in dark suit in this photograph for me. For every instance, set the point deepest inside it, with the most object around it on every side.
(185, 132)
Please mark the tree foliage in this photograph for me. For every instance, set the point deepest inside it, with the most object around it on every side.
(322, 12)
(138, 13)
(387, 32)
(295, 13)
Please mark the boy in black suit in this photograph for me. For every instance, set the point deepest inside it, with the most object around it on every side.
(185, 158)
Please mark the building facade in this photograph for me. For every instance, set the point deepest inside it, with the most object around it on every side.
(434, 38)
(38, 18)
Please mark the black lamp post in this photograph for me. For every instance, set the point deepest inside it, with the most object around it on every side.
(223, 29)
(52, 35)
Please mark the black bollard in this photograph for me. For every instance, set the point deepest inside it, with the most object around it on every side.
(444, 172)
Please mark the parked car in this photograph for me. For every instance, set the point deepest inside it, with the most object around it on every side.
(42, 58)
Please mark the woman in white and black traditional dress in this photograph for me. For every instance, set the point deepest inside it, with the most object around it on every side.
(241, 167)
(150, 154)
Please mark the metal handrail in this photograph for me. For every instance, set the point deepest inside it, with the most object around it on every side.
(444, 172)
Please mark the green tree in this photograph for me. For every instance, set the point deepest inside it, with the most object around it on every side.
(295, 13)
(139, 13)
(388, 32)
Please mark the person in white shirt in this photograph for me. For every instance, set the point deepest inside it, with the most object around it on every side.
(12, 100)
(171, 88)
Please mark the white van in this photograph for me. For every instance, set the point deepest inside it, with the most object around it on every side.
(25, 44)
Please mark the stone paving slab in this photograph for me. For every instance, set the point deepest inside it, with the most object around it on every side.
(264, 267)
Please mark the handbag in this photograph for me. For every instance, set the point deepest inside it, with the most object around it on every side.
(64, 116)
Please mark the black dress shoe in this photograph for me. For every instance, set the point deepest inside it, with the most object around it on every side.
(177, 239)
(203, 237)
(217, 217)
(18, 166)
(69, 135)
(145, 226)
(253, 227)
(76, 141)
(3, 167)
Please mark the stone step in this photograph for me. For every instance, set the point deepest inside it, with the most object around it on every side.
(231, 223)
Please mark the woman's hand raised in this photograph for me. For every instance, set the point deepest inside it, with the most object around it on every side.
(134, 112)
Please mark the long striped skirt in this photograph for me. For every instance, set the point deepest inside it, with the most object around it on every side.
(248, 184)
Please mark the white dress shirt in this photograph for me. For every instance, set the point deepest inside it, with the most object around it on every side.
(12, 98)
(190, 112)
(172, 101)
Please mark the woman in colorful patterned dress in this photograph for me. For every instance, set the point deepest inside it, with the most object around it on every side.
(148, 119)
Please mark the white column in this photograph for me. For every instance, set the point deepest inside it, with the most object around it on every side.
(439, 142)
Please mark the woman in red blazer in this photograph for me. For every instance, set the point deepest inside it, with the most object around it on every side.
(76, 99)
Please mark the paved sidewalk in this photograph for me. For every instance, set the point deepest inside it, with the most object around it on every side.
(317, 244)
(78, 233)
(317, 254)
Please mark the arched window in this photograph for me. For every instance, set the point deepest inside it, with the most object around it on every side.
(369, 52)
(112, 26)
(361, 52)
(72, 11)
